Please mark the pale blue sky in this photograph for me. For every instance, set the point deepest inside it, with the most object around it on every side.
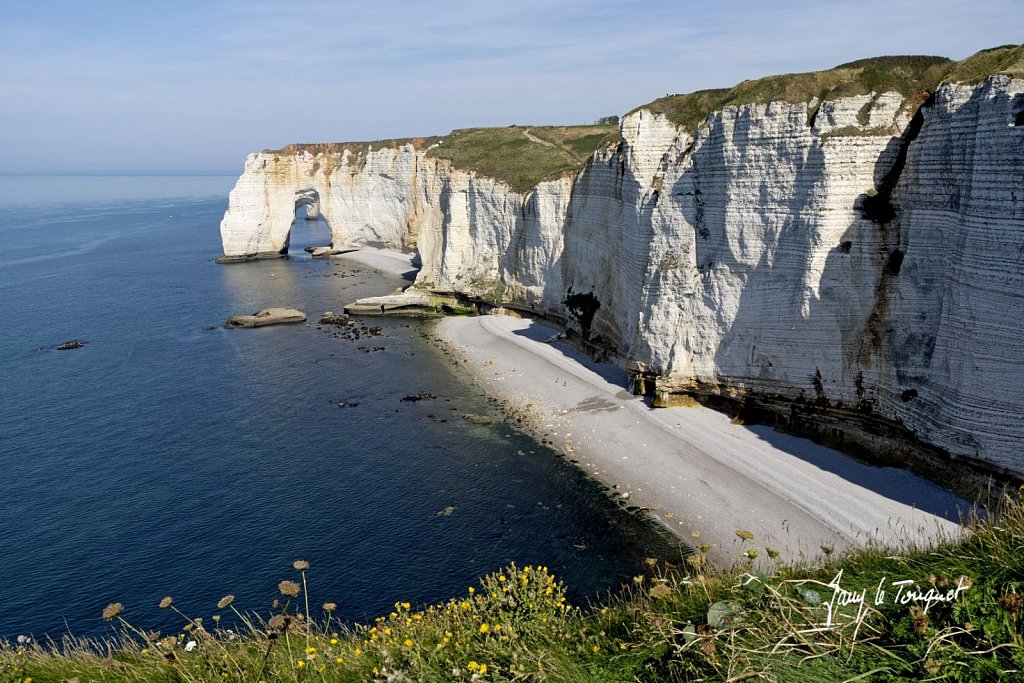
(194, 86)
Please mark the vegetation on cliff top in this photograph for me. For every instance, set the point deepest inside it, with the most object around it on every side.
(914, 77)
(1006, 59)
(907, 75)
(357, 148)
(952, 613)
(518, 156)
(522, 156)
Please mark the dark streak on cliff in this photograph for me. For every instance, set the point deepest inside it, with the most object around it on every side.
(879, 209)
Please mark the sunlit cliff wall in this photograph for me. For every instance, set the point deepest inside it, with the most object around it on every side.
(818, 261)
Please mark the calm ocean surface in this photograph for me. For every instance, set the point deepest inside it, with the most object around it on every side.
(164, 458)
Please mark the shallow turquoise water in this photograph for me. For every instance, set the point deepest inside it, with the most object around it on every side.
(166, 458)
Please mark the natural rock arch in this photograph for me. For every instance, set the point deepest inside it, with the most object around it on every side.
(309, 198)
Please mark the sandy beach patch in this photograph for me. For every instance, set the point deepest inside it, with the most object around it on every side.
(744, 490)
(394, 262)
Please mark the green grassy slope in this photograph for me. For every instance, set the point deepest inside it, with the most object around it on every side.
(906, 75)
(1007, 59)
(357, 148)
(521, 156)
(912, 76)
(960, 618)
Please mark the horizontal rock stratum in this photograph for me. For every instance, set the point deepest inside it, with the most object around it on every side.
(841, 251)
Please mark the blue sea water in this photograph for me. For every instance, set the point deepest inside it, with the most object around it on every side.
(170, 456)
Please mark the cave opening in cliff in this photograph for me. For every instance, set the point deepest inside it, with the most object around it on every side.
(308, 230)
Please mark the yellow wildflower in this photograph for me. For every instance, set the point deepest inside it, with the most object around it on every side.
(484, 628)
(310, 650)
(473, 666)
(483, 669)
(300, 663)
(597, 648)
(472, 590)
(339, 660)
(408, 642)
(358, 652)
(405, 605)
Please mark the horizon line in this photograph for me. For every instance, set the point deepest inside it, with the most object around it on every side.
(129, 173)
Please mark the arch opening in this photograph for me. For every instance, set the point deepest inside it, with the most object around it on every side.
(307, 212)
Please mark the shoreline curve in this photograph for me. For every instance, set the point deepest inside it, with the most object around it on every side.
(691, 468)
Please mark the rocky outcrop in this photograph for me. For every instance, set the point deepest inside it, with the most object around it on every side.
(368, 197)
(413, 304)
(267, 316)
(855, 267)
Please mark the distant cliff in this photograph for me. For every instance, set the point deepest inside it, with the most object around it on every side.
(849, 264)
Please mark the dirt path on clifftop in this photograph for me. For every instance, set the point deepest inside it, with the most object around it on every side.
(561, 148)
(701, 475)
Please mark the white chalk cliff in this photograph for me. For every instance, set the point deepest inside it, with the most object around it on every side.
(866, 274)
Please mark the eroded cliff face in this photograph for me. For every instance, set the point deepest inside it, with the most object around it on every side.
(367, 198)
(845, 262)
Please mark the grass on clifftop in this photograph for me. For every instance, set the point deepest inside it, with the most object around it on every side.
(521, 156)
(914, 77)
(906, 75)
(1007, 59)
(357, 148)
(954, 613)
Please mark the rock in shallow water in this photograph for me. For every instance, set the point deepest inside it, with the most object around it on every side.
(267, 316)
